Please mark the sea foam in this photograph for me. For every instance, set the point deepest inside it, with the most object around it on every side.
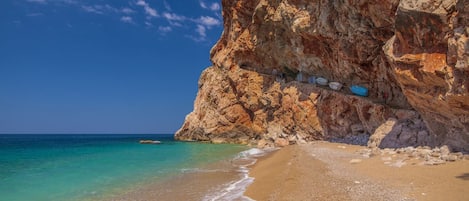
(234, 190)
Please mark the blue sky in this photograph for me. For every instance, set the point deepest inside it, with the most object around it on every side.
(102, 66)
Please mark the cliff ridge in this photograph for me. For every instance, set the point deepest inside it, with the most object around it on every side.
(411, 55)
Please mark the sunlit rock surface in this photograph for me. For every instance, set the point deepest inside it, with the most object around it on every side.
(411, 55)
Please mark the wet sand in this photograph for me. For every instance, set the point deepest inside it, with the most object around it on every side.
(330, 171)
(191, 186)
(221, 180)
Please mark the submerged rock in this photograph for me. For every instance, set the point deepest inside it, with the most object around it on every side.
(150, 142)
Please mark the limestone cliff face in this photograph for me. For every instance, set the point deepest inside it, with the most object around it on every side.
(411, 55)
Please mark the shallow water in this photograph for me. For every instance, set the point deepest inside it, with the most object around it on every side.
(223, 180)
(97, 167)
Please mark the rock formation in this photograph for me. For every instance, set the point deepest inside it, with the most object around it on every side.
(412, 55)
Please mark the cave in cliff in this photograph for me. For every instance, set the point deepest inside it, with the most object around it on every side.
(411, 55)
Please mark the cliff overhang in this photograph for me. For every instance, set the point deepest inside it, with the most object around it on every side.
(411, 55)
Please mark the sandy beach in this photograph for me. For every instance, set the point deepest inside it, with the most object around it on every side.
(330, 171)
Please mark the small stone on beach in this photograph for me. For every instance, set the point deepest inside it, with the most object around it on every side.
(386, 158)
(399, 163)
(355, 161)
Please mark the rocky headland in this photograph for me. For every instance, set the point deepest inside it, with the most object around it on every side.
(412, 56)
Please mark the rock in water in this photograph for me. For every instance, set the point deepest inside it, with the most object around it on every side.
(150, 142)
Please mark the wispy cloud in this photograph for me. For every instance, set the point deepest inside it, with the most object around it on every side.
(215, 6)
(127, 19)
(92, 9)
(37, 1)
(203, 23)
(151, 12)
(208, 21)
(53, 1)
(148, 24)
(140, 12)
(164, 29)
(106, 9)
(69, 1)
(200, 25)
(127, 11)
(203, 4)
(167, 6)
(173, 17)
(35, 14)
(201, 31)
(212, 6)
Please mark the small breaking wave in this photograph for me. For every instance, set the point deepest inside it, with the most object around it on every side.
(235, 189)
(232, 191)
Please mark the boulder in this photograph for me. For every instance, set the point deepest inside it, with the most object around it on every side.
(281, 142)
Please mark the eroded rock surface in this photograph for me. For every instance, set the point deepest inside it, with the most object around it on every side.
(411, 55)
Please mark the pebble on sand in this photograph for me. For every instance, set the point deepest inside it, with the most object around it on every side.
(355, 161)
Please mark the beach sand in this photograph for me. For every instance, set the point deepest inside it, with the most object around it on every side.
(185, 186)
(330, 171)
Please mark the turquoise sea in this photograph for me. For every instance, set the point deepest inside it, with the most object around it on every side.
(102, 167)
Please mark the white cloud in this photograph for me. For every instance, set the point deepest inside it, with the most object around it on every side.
(165, 29)
(69, 1)
(37, 1)
(166, 5)
(208, 21)
(175, 24)
(53, 1)
(201, 34)
(127, 11)
(35, 14)
(173, 17)
(213, 6)
(142, 3)
(151, 12)
(92, 9)
(149, 24)
(201, 31)
(200, 26)
(101, 9)
(108, 7)
(127, 19)
(203, 5)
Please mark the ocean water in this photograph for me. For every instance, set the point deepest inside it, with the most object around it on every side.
(117, 167)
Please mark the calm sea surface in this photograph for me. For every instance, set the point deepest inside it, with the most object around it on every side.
(97, 167)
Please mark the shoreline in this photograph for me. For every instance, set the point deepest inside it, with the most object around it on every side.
(226, 179)
(334, 171)
(315, 171)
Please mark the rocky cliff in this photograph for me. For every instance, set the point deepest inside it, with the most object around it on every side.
(412, 55)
